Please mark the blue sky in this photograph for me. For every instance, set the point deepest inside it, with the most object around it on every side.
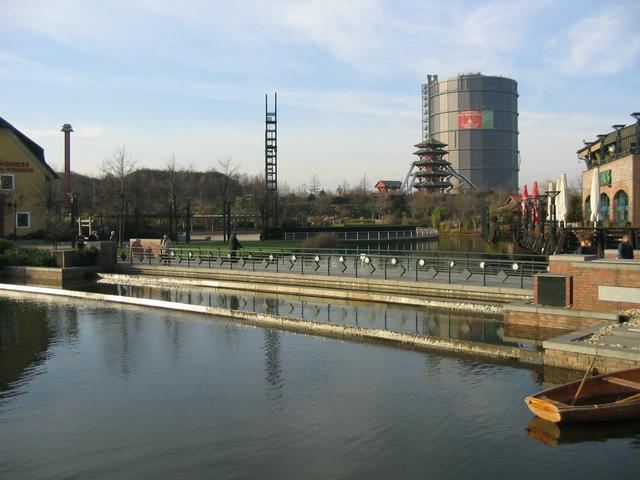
(188, 78)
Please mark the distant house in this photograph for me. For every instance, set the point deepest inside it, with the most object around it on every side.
(513, 203)
(23, 183)
(386, 186)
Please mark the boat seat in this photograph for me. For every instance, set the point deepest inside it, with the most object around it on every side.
(623, 382)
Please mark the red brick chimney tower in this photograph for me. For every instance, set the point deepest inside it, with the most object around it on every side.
(66, 128)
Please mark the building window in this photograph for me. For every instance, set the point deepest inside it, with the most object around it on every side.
(621, 200)
(23, 220)
(604, 207)
(7, 181)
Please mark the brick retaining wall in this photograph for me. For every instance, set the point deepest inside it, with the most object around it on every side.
(588, 275)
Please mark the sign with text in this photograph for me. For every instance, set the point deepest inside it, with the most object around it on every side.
(475, 119)
(15, 167)
(605, 178)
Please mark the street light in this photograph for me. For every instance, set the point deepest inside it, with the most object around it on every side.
(618, 129)
(636, 115)
(588, 157)
(14, 205)
(552, 194)
(601, 138)
(73, 204)
(542, 214)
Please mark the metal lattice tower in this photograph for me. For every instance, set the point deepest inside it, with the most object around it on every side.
(271, 162)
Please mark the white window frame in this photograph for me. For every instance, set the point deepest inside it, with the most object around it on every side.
(28, 214)
(13, 182)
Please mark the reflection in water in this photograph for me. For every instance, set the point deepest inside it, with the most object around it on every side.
(446, 243)
(25, 335)
(272, 366)
(554, 434)
(471, 327)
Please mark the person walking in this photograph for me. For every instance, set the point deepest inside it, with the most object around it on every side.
(165, 245)
(625, 249)
(234, 245)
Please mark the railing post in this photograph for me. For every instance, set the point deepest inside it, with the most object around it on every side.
(328, 265)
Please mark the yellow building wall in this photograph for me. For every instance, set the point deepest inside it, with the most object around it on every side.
(30, 179)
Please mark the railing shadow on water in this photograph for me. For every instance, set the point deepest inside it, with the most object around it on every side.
(441, 266)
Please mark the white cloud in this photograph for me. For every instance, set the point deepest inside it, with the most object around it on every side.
(603, 44)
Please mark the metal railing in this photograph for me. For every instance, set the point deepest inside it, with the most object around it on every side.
(373, 235)
(450, 267)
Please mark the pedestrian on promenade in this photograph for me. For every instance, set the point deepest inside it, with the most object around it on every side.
(113, 237)
(165, 245)
(625, 249)
(234, 245)
(93, 236)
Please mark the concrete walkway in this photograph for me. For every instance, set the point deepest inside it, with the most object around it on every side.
(616, 346)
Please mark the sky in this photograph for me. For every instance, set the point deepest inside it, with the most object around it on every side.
(189, 78)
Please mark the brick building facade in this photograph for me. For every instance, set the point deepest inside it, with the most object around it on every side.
(617, 156)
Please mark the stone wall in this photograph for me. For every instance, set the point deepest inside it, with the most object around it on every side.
(555, 318)
(581, 361)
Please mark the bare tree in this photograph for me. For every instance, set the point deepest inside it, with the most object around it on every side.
(363, 186)
(343, 188)
(175, 183)
(49, 199)
(314, 185)
(116, 173)
(226, 193)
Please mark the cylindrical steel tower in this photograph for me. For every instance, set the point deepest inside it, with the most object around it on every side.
(477, 117)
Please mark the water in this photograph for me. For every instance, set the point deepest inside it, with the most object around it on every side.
(92, 392)
(444, 243)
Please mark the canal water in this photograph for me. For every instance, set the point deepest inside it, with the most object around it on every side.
(100, 392)
(444, 243)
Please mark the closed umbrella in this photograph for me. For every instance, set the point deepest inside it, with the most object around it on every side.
(595, 195)
(562, 201)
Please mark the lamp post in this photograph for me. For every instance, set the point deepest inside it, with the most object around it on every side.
(618, 129)
(14, 205)
(530, 212)
(73, 204)
(636, 115)
(542, 214)
(552, 194)
(601, 138)
(588, 159)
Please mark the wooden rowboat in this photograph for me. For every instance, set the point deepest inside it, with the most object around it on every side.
(611, 396)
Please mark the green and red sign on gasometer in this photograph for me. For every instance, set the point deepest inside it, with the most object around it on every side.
(475, 119)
